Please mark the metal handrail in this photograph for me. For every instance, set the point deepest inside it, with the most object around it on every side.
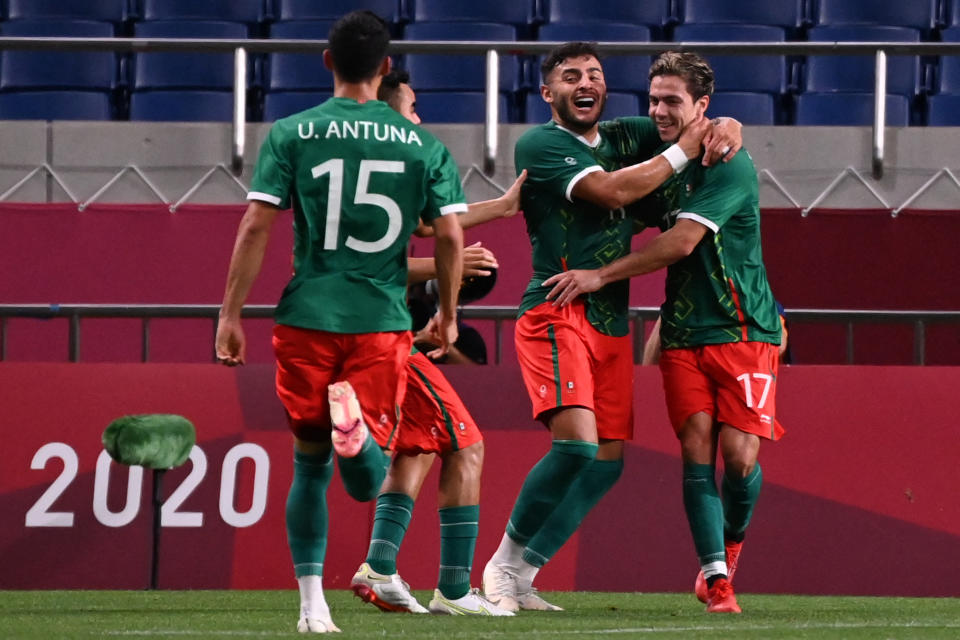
(498, 314)
(491, 49)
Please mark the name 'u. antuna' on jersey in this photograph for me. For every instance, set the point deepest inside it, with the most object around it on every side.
(366, 130)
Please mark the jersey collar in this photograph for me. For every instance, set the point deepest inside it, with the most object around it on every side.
(592, 145)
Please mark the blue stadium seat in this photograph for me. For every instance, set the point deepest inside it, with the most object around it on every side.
(114, 11)
(516, 12)
(55, 105)
(389, 10)
(916, 14)
(848, 109)
(280, 104)
(951, 13)
(749, 108)
(948, 75)
(740, 73)
(58, 69)
(461, 73)
(438, 107)
(943, 110)
(653, 13)
(621, 73)
(788, 14)
(182, 106)
(298, 71)
(185, 70)
(856, 73)
(536, 111)
(246, 11)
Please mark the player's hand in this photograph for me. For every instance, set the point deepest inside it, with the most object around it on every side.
(442, 331)
(692, 137)
(511, 198)
(570, 284)
(477, 260)
(231, 344)
(722, 141)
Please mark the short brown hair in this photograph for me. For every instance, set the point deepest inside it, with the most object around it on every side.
(691, 67)
(564, 51)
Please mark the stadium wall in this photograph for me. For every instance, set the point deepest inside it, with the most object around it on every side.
(864, 479)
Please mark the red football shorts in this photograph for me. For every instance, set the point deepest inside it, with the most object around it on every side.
(309, 360)
(432, 416)
(736, 383)
(565, 362)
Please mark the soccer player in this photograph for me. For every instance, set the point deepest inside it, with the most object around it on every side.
(720, 327)
(576, 361)
(358, 176)
(434, 422)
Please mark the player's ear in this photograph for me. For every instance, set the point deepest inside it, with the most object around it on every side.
(386, 66)
(546, 94)
(328, 59)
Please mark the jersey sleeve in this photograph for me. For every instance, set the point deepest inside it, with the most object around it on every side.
(273, 175)
(722, 193)
(444, 192)
(554, 160)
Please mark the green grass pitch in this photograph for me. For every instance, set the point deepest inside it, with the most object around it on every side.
(272, 614)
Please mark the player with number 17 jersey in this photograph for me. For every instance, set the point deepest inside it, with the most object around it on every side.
(358, 176)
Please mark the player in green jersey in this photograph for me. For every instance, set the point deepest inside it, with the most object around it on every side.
(359, 177)
(576, 362)
(720, 327)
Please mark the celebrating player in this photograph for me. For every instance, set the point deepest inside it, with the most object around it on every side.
(720, 327)
(358, 176)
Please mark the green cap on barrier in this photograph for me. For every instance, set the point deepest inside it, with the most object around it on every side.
(153, 440)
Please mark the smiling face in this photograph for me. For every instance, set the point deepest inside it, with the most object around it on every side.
(576, 92)
(672, 106)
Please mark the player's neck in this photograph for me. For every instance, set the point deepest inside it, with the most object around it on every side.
(359, 91)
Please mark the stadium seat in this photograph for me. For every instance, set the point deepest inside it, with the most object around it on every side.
(55, 105)
(58, 69)
(459, 73)
(331, 10)
(848, 109)
(182, 106)
(788, 14)
(621, 73)
(439, 107)
(948, 74)
(280, 104)
(246, 11)
(749, 108)
(943, 110)
(536, 111)
(518, 13)
(189, 70)
(740, 73)
(950, 13)
(114, 11)
(298, 71)
(653, 13)
(916, 14)
(856, 73)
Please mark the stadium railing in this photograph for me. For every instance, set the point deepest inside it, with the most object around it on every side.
(75, 313)
(492, 52)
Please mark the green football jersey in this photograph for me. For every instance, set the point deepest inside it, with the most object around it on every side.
(358, 176)
(719, 293)
(569, 233)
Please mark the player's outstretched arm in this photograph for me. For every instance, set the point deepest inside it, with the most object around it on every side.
(248, 251)
(670, 246)
(506, 206)
(615, 189)
(448, 253)
(477, 261)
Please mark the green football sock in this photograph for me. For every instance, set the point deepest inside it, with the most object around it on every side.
(458, 539)
(546, 485)
(363, 474)
(307, 512)
(390, 522)
(739, 499)
(591, 485)
(704, 512)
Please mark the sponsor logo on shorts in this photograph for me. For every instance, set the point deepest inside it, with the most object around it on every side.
(383, 418)
(543, 390)
(570, 386)
(462, 426)
(765, 419)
